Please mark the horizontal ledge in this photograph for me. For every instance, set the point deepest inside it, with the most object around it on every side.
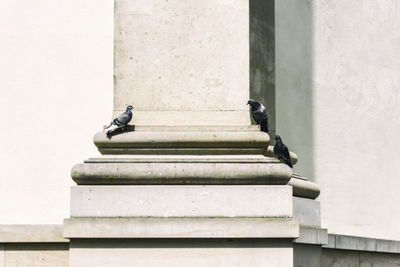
(47, 233)
(204, 227)
(191, 128)
(180, 173)
(182, 159)
(312, 235)
(303, 188)
(183, 139)
(180, 151)
(358, 243)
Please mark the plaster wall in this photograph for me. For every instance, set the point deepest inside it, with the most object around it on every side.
(337, 77)
(56, 80)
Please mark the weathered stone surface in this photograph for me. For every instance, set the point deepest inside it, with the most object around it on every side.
(303, 188)
(355, 243)
(333, 257)
(307, 211)
(389, 246)
(31, 233)
(200, 227)
(182, 65)
(36, 255)
(338, 257)
(312, 235)
(368, 259)
(181, 201)
(181, 173)
(362, 244)
(305, 255)
(2, 255)
(181, 252)
(183, 142)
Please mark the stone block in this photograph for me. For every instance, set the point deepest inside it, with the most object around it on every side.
(305, 255)
(2, 255)
(338, 258)
(181, 252)
(182, 62)
(151, 227)
(368, 259)
(389, 246)
(181, 201)
(31, 233)
(36, 255)
(355, 243)
(312, 235)
(307, 211)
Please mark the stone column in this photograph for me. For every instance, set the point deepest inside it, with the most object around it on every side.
(182, 62)
(191, 183)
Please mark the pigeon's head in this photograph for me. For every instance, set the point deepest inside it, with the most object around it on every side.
(129, 108)
(253, 103)
(277, 138)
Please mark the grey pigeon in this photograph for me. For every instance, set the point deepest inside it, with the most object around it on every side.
(259, 114)
(282, 152)
(121, 121)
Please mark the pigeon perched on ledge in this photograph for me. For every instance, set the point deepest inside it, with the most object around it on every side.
(259, 114)
(120, 122)
(282, 152)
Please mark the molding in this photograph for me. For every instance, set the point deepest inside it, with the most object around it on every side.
(47, 233)
(303, 188)
(183, 142)
(358, 243)
(181, 173)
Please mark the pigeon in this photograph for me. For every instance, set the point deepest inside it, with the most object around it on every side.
(259, 114)
(121, 121)
(282, 152)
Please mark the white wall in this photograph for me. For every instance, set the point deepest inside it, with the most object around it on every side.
(352, 93)
(55, 94)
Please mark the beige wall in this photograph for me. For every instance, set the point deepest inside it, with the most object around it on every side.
(338, 106)
(56, 92)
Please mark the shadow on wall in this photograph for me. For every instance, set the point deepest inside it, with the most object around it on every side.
(262, 57)
(281, 69)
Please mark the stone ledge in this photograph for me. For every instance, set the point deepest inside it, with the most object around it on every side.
(140, 173)
(312, 235)
(185, 142)
(303, 188)
(206, 227)
(47, 233)
(362, 244)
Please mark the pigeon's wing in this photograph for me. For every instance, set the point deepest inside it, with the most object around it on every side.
(264, 125)
(286, 156)
(124, 118)
(257, 116)
(264, 121)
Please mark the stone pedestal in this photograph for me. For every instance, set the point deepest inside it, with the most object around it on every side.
(190, 182)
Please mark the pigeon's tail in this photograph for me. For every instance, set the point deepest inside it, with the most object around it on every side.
(111, 128)
(264, 126)
(288, 162)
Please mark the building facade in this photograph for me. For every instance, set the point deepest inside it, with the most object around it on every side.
(194, 177)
